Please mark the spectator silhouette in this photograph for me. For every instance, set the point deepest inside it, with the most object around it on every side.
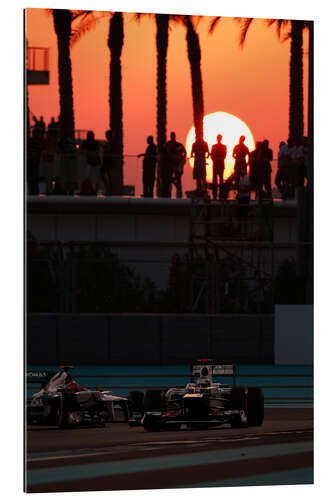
(68, 166)
(108, 161)
(218, 155)
(241, 155)
(41, 125)
(267, 157)
(299, 157)
(47, 167)
(290, 169)
(149, 167)
(256, 170)
(52, 128)
(200, 152)
(35, 146)
(90, 148)
(173, 160)
(281, 175)
(176, 155)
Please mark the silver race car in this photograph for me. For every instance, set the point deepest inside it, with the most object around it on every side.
(63, 402)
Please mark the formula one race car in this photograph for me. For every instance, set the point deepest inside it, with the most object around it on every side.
(203, 404)
(62, 401)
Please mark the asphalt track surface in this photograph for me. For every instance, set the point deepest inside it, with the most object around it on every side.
(118, 457)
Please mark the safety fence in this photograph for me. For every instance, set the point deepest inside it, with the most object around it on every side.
(281, 388)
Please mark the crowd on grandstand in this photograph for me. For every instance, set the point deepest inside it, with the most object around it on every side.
(57, 165)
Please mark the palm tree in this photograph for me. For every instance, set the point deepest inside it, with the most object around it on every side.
(115, 44)
(62, 20)
(194, 56)
(162, 41)
(295, 34)
(68, 32)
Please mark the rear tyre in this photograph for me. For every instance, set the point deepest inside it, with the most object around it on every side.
(154, 400)
(135, 401)
(172, 427)
(238, 402)
(151, 424)
(255, 406)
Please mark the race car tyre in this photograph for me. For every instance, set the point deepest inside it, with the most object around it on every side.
(133, 423)
(196, 426)
(171, 427)
(153, 400)
(61, 415)
(238, 401)
(151, 424)
(53, 413)
(255, 406)
(135, 401)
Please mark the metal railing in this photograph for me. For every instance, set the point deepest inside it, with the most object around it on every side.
(37, 59)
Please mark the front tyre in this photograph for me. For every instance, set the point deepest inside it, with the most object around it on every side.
(151, 423)
(255, 406)
(61, 417)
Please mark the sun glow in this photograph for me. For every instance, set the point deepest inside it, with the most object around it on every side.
(231, 128)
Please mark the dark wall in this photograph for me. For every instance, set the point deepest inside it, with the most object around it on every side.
(148, 339)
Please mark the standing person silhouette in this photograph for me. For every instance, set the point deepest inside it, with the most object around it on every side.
(256, 170)
(108, 161)
(90, 149)
(267, 157)
(241, 154)
(218, 155)
(175, 156)
(200, 152)
(149, 167)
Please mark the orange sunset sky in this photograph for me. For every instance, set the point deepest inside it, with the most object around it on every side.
(251, 83)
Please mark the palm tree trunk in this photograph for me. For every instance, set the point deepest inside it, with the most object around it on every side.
(115, 44)
(63, 25)
(194, 56)
(310, 198)
(296, 121)
(162, 40)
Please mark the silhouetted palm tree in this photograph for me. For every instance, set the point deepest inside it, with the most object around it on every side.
(162, 42)
(67, 35)
(62, 20)
(115, 44)
(194, 56)
(295, 33)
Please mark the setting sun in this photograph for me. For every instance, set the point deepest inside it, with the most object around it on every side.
(231, 128)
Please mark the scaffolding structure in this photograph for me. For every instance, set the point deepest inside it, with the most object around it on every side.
(230, 245)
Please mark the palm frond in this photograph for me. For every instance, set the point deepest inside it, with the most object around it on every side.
(87, 23)
(246, 23)
(213, 24)
(138, 16)
(281, 24)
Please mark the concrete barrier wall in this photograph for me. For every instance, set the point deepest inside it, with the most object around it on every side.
(151, 339)
(144, 233)
(294, 334)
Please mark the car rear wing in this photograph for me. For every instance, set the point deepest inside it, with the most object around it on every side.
(214, 369)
